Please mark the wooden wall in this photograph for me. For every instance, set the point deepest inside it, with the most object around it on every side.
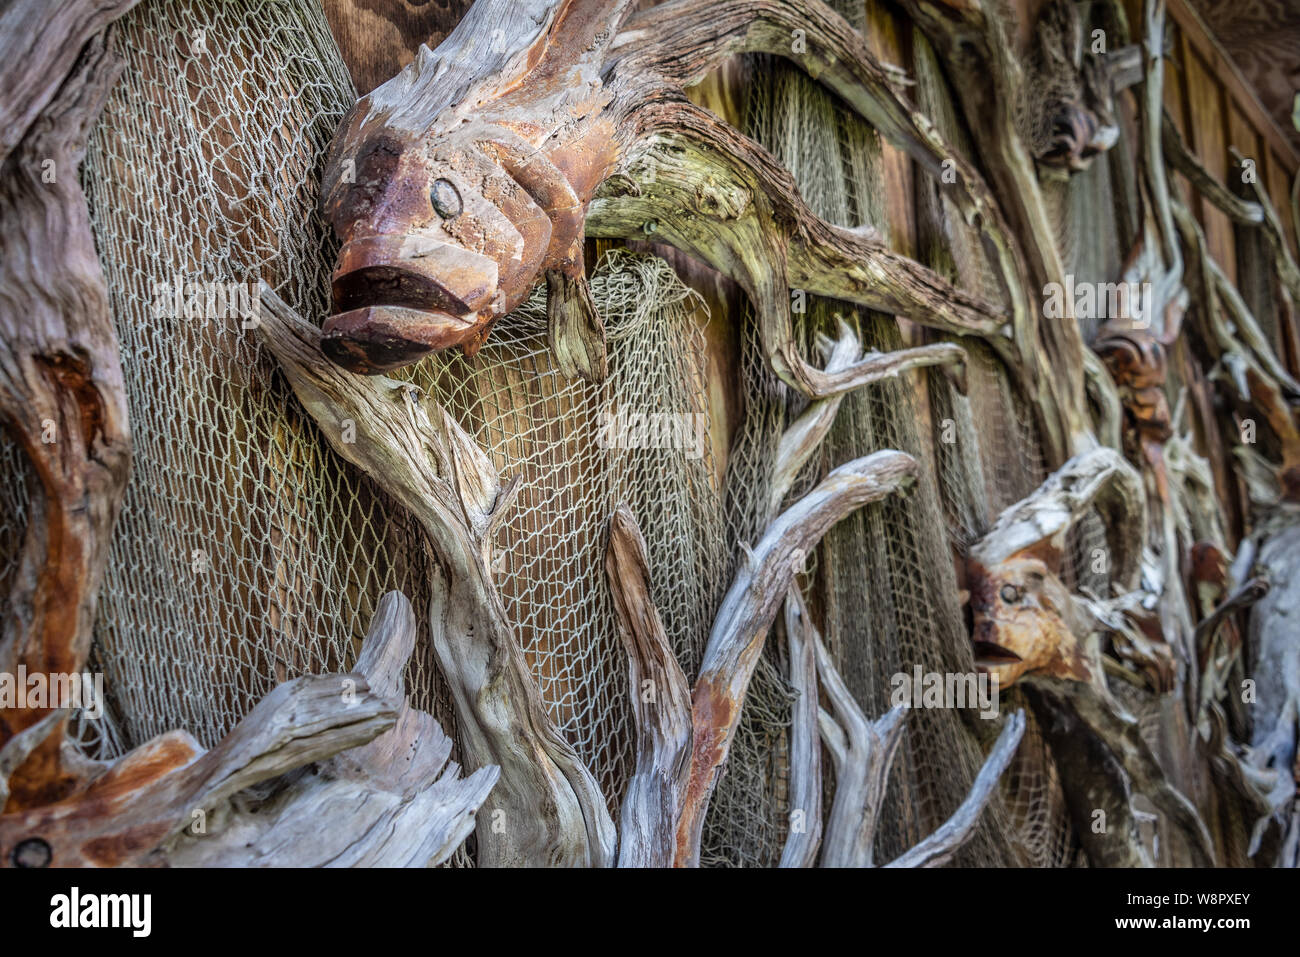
(1216, 110)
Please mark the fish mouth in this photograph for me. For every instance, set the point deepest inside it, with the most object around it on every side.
(372, 340)
(398, 299)
(989, 654)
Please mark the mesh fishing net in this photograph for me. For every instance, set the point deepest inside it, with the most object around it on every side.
(884, 583)
(535, 423)
(989, 456)
(248, 552)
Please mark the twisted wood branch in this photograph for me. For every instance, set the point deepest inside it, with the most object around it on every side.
(547, 808)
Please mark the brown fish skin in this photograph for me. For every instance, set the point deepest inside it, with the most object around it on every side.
(447, 228)
(1024, 622)
(377, 339)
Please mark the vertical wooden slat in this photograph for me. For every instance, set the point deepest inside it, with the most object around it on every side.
(1279, 191)
(885, 39)
(1175, 101)
(1204, 97)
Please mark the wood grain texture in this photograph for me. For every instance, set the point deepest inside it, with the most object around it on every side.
(746, 614)
(160, 788)
(394, 801)
(40, 40)
(378, 38)
(546, 809)
(61, 392)
(661, 701)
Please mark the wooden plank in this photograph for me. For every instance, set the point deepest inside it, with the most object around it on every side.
(1231, 78)
(1208, 130)
(885, 39)
(376, 45)
(1278, 183)
(1175, 101)
(1242, 134)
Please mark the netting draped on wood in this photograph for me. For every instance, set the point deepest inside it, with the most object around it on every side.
(888, 604)
(247, 551)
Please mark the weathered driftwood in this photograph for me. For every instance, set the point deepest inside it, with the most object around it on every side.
(1272, 635)
(1245, 361)
(62, 397)
(747, 611)
(683, 742)
(61, 393)
(803, 839)
(990, 82)
(1029, 627)
(1103, 761)
(453, 197)
(938, 849)
(391, 802)
(323, 772)
(161, 787)
(862, 752)
(1025, 619)
(16, 751)
(1181, 159)
(671, 783)
(546, 808)
(40, 42)
(661, 701)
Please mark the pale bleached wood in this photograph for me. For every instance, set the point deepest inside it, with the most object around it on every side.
(661, 703)
(494, 45)
(1272, 637)
(391, 802)
(747, 610)
(153, 792)
(863, 752)
(938, 849)
(40, 41)
(804, 435)
(547, 809)
(1029, 628)
(805, 774)
(1100, 478)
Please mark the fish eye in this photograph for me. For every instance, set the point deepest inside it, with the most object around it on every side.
(1010, 594)
(445, 199)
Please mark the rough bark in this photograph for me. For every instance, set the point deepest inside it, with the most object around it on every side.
(546, 808)
(661, 700)
(61, 393)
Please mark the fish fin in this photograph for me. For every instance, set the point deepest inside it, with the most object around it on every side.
(574, 328)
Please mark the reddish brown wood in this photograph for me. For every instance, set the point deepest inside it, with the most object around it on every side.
(61, 392)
